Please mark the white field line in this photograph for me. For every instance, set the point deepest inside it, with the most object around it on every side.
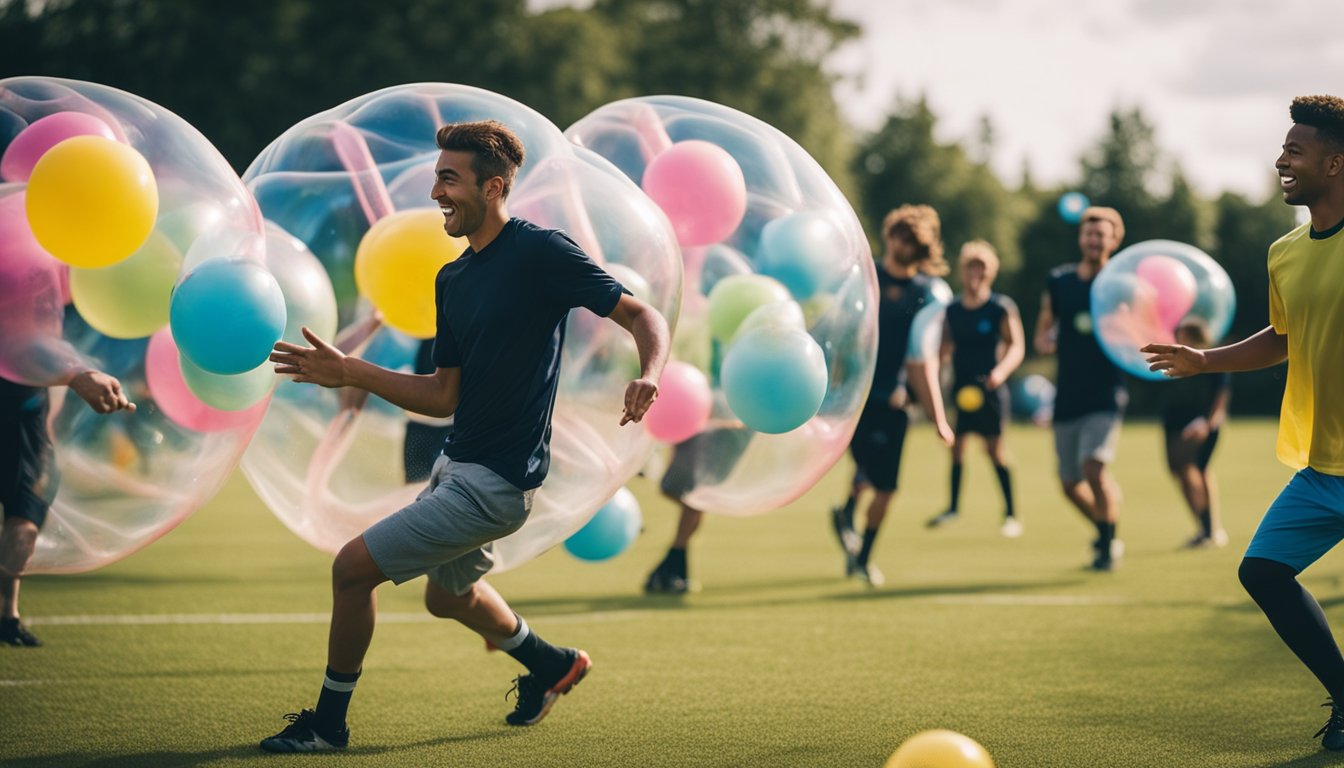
(161, 619)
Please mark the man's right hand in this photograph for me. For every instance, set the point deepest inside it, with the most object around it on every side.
(101, 391)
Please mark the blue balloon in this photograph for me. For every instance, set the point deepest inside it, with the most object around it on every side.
(1033, 397)
(775, 378)
(610, 531)
(226, 314)
(797, 250)
(1071, 206)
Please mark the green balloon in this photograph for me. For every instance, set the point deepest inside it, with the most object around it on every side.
(736, 296)
(228, 392)
(129, 299)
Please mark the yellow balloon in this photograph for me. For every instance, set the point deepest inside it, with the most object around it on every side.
(396, 263)
(970, 398)
(129, 300)
(92, 201)
(940, 749)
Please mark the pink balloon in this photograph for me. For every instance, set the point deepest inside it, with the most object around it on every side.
(163, 374)
(32, 304)
(683, 405)
(34, 141)
(1175, 286)
(701, 189)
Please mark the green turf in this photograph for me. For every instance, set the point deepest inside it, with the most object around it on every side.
(776, 662)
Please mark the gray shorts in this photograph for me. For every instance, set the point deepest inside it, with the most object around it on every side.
(447, 531)
(1094, 436)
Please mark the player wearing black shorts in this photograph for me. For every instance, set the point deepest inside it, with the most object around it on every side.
(1193, 410)
(906, 279)
(28, 478)
(983, 334)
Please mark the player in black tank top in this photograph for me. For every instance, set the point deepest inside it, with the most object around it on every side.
(1193, 410)
(983, 335)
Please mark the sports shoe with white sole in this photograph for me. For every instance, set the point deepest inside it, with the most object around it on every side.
(536, 697)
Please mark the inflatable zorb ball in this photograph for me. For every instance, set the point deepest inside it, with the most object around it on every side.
(106, 200)
(779, 310)
(349, 188)
(1159, 291)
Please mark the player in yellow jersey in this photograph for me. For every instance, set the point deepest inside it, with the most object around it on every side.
(1306, 280)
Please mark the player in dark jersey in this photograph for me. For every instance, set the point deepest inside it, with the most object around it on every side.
(1090, 394)
(1193, 410)
(906, 281)
(983, 335)
(28, 478)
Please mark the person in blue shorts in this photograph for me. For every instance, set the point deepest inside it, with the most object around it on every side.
(982, 333)
(1306, 281)
(501, 311)
(905, 281)
(1090, 393)
(28, 478)
(1193, 412)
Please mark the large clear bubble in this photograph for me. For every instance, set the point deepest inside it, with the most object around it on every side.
(1154, 291)
(777, 268)
(81, 289)
(330, 464)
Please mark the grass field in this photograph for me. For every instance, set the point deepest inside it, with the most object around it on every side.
(188, 652)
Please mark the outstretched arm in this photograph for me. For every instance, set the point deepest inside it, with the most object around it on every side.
(101, 391)
(652, 339)
(1262, 350)
(433, 394)
(923, 377)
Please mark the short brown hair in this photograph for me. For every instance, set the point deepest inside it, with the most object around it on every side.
(495, 149)
(1324, 113)
(983, 252)
(1101, 213)
(921, 225)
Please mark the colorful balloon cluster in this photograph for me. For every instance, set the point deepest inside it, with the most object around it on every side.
(777, 336)
(1146, 291)
(348, 189)
(108, 202)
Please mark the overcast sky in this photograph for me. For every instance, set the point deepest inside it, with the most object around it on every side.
(1214, 77)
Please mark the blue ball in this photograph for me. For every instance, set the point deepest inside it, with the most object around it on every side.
(1071, 206)
(610, 531)
(226, 314)
(797, 250)
(775, 378)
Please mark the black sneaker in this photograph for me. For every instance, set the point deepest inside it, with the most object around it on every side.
(843, 525)
(536, 696)
(12, 632)
(1332, 733)
(664, 582)
(301, 735)
(942, 518)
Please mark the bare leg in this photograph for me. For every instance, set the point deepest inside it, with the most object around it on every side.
(481, 609)
(1080, 495)
(354, 577)
(18, 539)
(1105, 491)
(687, 525)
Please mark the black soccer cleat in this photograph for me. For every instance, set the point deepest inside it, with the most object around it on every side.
(843, 525)
(12, 632)
(302, 735)
(536, 696)
(1332, 733)
(665, 582)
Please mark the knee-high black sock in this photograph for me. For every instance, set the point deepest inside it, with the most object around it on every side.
(848, 510)
(956, 486)
(1105, 532)
(869, 536)
(1005, 485)
(334, 700)
(1298, 619)
(675, 561)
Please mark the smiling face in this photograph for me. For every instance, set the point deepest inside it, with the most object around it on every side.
(1305, 165)
(461, 198)
(1097, 240)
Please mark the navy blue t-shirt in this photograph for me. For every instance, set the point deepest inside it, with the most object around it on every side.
(1088, 382)
(976, 334)
(1187, 399)
(900, 298)
(501, 319)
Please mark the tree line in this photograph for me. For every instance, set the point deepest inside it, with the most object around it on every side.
(244, 72)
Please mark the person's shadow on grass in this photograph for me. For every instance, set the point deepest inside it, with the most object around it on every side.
(241, 752)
